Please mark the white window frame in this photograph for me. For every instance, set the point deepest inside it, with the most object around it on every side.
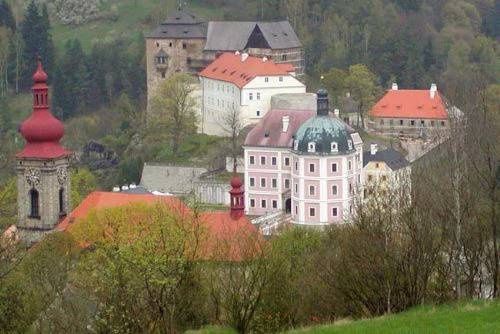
(311, 147)
(312, 191)
(334, 147)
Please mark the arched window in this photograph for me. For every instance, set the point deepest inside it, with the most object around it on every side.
(35, 204)
(62, 210)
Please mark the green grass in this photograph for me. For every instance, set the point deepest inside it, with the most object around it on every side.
(470, 317)
(131, 20)
(212, 330)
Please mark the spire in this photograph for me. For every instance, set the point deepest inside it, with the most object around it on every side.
(237, 198)
(42, 131)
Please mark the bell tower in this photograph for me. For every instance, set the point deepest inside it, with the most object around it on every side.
(43, 185)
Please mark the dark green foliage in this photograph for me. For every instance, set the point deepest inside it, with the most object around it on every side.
(37, 41)
(6, 17)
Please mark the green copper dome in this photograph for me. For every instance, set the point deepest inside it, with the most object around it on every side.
(324, 135)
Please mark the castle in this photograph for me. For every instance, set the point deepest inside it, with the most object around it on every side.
(186, 43)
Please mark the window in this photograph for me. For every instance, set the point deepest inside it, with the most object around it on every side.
(275, 204)
(312, 212)
(384, 178)
(273, 161)
(252, 182)
(184, 45)
(62, 211)
(311, 147)
(263, 203)
(334, 147)
(296, 188)
(296, 166)
(433, 123)
(442, 123)
(370, 177)
(287, 184)
(283, 57)
(349, 143)
(412, 123)
(157, 44)
(287, 161)
(391, 122)
(381, 122)
(163, 75)
(258, 113)
(349, 163)
(311, 168)
(252, 160)
(262, 160)
(281, 79)
(250, 96)
(258, 96)
(312, 190)
(334, 190)
(400, 122)
(334, 168)
(34, 204)
(350, 188)
(266, 79)
(296, 210)
(263, 182)
(252, 203)
(275, 183)
(377, 165)
(170, 44)
(334, 212)
(422, 123)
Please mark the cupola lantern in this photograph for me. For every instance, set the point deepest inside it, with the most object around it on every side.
(322, 102)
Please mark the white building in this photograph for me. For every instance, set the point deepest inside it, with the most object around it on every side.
(244, 84)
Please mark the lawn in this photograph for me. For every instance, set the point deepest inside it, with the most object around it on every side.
(132, 19)
(471, 317)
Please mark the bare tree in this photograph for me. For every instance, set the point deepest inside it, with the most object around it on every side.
(232, 125)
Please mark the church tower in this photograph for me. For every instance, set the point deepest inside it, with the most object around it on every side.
(237, 196)
(43, 184)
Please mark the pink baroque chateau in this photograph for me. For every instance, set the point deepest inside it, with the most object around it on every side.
(304, 162)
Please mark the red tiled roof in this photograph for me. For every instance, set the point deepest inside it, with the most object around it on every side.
(102, 200)
(226, 239)
(408, 103)
(269, 131)
(229, 67)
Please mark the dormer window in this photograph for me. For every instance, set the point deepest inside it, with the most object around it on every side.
(296, 145)
(349, 144)
(334, 147)
(311, 147)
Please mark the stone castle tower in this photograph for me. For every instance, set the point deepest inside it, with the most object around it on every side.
(43, 183)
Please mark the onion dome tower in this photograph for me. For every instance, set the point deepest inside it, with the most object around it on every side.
(237, 198)
(42, 167)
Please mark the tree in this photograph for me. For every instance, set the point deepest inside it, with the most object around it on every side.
(141, 270)
(334, 82)
(173, 110)
(4, 57)
(8, 204)
(35, 31)
(363, 86)
(232, 125)
(83, 182)
(6, 18)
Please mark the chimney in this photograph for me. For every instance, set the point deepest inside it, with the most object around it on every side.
(322, 102)
(286, 123)
(394, 86)
(373, 149)
(244, 56)
(264, 59)
(237, 198)
(433, 90)
(336, 112)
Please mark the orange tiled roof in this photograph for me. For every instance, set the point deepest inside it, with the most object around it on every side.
(230, 67)
(226, 239)
(407, 103)
(103, 200)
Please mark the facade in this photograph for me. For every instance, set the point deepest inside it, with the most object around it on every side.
(304, 164)
(244, 84)
(43, 183)
(385, 170)
(409, 113)
(175, 46)
(186, 43)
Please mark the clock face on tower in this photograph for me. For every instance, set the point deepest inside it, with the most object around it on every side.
(33, 176)
(62, 175)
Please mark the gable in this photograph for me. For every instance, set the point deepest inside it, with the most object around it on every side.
(257, 39)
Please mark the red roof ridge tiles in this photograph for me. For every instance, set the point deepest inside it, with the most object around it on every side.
(245, 70)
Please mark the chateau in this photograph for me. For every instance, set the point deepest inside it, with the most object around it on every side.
(305, 163)
(186, 43)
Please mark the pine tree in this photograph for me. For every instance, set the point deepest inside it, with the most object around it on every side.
(6, 17)
(37, 41)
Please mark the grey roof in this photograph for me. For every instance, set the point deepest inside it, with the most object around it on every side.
(180, 24)
(324, 130)
(233, 35)
(390, 156)
(170, 179)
